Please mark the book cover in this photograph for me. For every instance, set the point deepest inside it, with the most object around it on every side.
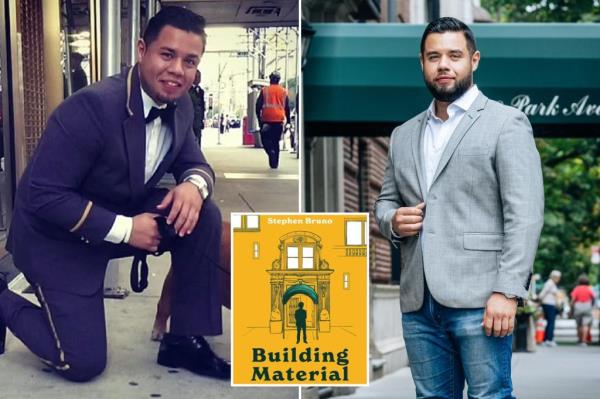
(300, 294)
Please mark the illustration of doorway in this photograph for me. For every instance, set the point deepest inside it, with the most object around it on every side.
(292, 306)
(291, 298)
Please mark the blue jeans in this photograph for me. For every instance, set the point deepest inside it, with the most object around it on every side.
(550, 316)
(446, 346)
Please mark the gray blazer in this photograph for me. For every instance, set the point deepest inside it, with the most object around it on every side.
(484, 210)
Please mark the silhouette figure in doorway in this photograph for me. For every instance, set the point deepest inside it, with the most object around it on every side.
(300, 316)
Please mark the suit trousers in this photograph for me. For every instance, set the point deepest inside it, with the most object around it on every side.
(68, 331)
(270, 135)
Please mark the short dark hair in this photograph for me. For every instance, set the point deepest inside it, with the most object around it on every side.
(178, 17)
(449, 24)
(583, 280)
(274, 77)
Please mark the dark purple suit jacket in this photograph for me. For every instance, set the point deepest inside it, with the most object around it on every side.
(89, 167)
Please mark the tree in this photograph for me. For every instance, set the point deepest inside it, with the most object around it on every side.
(543, 10)
(570, 166)
(572, 213)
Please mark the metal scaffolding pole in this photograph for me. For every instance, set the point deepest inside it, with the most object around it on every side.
(110, 48)
(263, 57)
(151, 9)
(286, 58)
(249, 54)
(276, 50)
(110, 21)
(255, 39)
(297, 100)
(134, 29)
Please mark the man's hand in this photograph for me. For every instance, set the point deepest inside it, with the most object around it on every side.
(144, 234)
(407, 221)
(185, 210)
(499, 315)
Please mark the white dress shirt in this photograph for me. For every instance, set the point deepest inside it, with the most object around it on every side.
(159, 138)
(438, 131)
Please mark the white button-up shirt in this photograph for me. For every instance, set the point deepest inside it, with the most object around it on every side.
(159, 138)
(438, 131)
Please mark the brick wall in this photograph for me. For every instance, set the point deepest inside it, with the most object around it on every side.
(365, 160)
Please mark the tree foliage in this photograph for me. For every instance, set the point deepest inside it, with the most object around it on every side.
(571, 167)
(572, 214)
(543, 10)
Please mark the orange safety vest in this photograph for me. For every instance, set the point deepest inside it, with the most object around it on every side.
(273, 109)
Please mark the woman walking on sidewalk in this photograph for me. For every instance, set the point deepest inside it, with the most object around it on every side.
(548, 297)
(582, 302)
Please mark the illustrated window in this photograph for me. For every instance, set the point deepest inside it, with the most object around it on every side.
(356, 232)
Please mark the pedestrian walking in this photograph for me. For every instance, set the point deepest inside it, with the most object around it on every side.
(222, 124)
(273, 111)
(549, 298)
(582, 303)
(197, 96)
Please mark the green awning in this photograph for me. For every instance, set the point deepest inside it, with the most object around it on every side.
(367, 76)
(300, 289)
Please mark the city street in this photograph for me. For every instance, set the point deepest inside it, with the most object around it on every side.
(566, 371)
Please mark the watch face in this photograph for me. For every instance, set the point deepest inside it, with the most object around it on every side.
(204, 192)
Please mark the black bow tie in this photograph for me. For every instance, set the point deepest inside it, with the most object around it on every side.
(158, 112)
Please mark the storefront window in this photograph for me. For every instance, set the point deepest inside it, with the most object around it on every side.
(75, 45)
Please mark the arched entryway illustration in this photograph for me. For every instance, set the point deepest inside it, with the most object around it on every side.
(293, 296)
(300, 275)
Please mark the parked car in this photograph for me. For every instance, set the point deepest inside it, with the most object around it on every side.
(235, 122)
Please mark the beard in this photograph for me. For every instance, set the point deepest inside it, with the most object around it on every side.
(449, 95)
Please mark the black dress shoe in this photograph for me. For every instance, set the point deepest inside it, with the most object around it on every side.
(192, 353)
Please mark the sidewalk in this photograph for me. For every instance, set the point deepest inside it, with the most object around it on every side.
(245, 183)
(132, 371)
(566, 371)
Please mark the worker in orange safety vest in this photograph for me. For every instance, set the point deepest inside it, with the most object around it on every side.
(273, 112)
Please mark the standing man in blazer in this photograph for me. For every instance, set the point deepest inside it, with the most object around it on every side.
(463, 199)
(89, 194)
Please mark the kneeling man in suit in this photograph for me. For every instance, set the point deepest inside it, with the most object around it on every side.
(89, 194)
(463, 199)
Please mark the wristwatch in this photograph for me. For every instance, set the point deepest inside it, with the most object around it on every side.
(520, 301)
(200, 183)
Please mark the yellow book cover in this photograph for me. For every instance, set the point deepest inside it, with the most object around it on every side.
(300, 299)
